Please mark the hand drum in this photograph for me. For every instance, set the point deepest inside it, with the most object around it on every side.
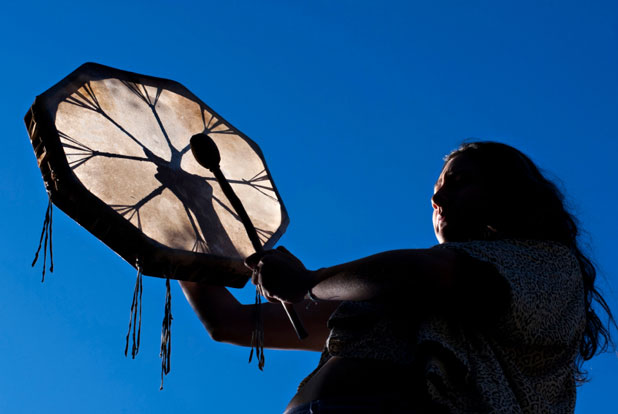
(113, 149)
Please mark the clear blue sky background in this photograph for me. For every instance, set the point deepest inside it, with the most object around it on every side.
(353, 103)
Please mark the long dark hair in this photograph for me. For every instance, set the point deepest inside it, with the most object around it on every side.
(532, 207)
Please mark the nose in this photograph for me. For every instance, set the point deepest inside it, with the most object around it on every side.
(438, 199)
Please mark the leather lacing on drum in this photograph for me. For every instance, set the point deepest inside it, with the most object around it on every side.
(135, 325)
(46, 240)
(135, 318)
(257, 336)
(166, 334)
(46, 233)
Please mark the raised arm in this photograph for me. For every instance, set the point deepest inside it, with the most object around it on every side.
(428, 279)
(423, 280)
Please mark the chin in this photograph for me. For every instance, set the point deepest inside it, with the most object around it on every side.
(452, 235)
(445, 238)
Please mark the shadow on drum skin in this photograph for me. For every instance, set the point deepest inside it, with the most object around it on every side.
(192, 191)
(89, 132)
(196, 196)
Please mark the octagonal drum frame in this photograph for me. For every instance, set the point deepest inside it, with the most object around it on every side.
(68, 193)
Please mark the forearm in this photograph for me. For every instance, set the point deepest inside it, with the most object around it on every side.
(227, 320)
(224, 318)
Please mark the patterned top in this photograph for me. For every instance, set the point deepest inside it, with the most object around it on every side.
(523, 363)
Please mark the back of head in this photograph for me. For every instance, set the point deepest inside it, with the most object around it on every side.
(525, 204)
(529, 206)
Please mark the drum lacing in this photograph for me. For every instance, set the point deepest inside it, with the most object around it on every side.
(257, 336)
(136, 308)
(46, 235)
(166, 334)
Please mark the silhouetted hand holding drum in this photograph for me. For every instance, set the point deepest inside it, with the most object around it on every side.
(280, 275)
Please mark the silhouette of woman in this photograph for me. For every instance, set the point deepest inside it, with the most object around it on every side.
(497, 317)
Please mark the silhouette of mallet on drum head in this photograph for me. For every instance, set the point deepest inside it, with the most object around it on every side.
(207, 155)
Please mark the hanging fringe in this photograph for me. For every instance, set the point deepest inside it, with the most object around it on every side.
(136, 312)
(257, 336)
(166, 334)
(46, 235)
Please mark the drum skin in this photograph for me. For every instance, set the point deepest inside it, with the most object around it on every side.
(113, 149)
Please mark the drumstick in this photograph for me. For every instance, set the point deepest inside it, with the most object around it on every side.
(207, 155)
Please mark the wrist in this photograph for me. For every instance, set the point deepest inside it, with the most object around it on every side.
(314, 280)
(309, 295)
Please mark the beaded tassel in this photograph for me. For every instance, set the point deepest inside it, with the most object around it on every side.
(46, 237)
(257, 336)
(166, 334)
(135, 320)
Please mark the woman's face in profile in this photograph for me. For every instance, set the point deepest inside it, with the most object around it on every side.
(461, 201)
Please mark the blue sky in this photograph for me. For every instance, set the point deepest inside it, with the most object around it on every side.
(354, 104)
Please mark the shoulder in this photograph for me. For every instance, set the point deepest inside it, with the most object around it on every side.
(521, 256)
(496, 248)
(545, 286)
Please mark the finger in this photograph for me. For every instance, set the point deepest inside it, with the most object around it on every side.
(264, 293)
(252, 260)
(289, 255)
(255, 276)
(272, 299)
(284, 250)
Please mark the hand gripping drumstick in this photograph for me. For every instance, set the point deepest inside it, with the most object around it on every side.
(207, 155)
